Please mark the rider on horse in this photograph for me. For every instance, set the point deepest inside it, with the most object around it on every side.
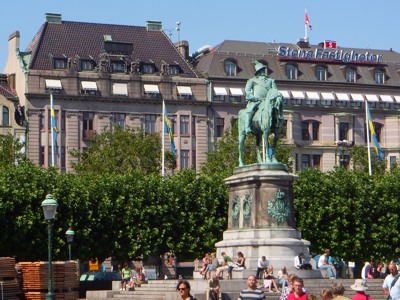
(258, 89)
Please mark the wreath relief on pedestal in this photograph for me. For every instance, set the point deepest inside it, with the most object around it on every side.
(279, 208)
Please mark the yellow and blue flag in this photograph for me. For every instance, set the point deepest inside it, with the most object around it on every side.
(54, 130)
(168, 130)
(377, 147)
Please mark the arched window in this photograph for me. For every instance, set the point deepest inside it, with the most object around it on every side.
(291, 71)
(230, 68)
(321, 73)
(6, 116)
(350, 74)
(379, 76)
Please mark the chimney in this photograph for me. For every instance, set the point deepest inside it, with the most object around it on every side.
(52, 18)
(154, 26)
(183, 48)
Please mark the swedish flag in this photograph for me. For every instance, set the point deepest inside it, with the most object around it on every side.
(168, 130)
(55, 130)
(377, 147)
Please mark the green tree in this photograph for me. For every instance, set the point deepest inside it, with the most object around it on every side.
(10, 150)
(22, 189)
(349, 212)
(120, 151)
(359, 158)
(225, 158)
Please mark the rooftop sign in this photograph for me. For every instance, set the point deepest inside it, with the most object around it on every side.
(323, 54)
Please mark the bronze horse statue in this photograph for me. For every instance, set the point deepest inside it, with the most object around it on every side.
(267, 120)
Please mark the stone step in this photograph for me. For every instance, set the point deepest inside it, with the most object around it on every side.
(166, 289)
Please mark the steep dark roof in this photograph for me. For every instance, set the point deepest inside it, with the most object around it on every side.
(211, 65)
(5, 89)
(71, 39)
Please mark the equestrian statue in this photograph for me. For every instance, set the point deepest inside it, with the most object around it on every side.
(262, 116)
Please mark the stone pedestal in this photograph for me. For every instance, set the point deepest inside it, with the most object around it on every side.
(261, 217)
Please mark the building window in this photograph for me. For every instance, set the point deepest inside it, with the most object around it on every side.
(321, 73)
(220, 126)
(150, 123)
(343, 131)
(184, 159)
(63, 160)
(148, 69)
(316, 162)
(310, 161)
(307, 127)
(41, 156)
(305, 161)
(305, 133)
(60, 63)
(184, 125)
(118, 67)
(379, 76)
(378, 131)
(63, 121)
(50, 156)
(350, 74)
(392, 161)
(87, 65)
(230, 68)
(88, 118)
(119, 120)
(193, 126)
(174, 70)
(6, 116)
(41, 121)
(315, 131)
(291, 71)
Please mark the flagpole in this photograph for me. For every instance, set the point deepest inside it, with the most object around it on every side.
(368, 137)
(52, 128)
(163, 140)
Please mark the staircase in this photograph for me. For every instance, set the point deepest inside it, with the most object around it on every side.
(166, 290)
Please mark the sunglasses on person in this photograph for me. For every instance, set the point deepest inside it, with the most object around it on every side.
(181, 289)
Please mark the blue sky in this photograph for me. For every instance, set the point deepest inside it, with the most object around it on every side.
(351, 23)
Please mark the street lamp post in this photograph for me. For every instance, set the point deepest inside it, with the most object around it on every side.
(49, 206)
(70, 238)
(343, 144)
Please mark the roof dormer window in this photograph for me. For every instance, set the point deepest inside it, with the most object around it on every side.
(60, 63)
(230, 67)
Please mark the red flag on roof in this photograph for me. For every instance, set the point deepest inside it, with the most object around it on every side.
(307, 21)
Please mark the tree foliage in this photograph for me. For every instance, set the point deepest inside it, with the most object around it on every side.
(226, 156)
(121, 150)
(10, 150)
(349, 212)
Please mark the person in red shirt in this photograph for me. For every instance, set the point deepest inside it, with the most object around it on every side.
(360, 286)
(298, 292)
